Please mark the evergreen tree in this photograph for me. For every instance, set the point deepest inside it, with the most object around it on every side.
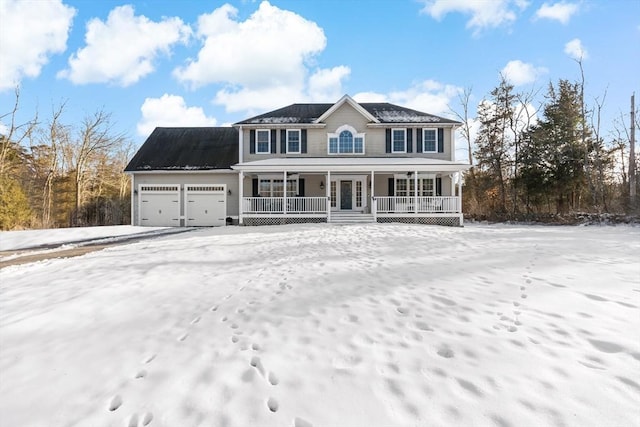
(494, 142)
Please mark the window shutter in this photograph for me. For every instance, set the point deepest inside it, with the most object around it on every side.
(301, 187)
(440, 140)
(255, 187)
(252, 141)
(409, 140)
(391, 189)
(303, 143)
(419, 140)
(388, 132)
(438, 186)
(283, 141)
(273, 141)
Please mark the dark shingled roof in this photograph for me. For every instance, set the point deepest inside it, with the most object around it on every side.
(192, 148)
(307, 113)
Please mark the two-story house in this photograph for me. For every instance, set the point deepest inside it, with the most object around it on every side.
(346, 161)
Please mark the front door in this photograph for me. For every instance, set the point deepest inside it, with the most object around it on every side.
(346, 195)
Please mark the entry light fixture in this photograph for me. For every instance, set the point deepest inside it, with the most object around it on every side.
(322, 185)
(229, 192)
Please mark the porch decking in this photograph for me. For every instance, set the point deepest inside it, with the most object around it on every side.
(445, 210)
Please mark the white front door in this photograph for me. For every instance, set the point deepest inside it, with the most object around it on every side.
(348, 193)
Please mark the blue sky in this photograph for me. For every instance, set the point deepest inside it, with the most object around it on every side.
(180, 63)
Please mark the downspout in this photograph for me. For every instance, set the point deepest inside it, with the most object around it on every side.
(132, 198)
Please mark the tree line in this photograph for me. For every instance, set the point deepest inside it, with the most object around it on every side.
(534, 163)
(528, 162)
(59, 174)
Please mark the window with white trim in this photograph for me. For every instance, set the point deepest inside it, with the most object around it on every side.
(398, 140)
(358, 194)
(405, 187)
(293, 141)
(274, 188)
(263, 141)
(345, 141)
(429, 140)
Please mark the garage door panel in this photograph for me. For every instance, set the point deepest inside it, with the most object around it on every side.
(160, 206)
(206, 205)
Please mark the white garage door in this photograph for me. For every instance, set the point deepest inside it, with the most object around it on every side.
(205, 205)
(160, 205)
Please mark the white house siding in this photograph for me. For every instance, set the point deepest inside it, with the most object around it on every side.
(228, 178)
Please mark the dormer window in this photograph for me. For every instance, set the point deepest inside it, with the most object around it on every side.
(263, 141)
(345, 141)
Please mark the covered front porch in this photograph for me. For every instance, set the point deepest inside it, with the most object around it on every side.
(295, 190)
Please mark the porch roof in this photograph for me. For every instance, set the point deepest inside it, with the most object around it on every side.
(351, 164)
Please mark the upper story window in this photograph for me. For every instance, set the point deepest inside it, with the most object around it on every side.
(429, 141)
(293, 141)
(263, 141)
(398, 140)
(345, 141)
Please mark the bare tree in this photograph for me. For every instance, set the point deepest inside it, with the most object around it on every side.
(16, 133)
(95, 137)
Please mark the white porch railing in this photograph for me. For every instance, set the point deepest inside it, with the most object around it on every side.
(426, 204)
(276, 205)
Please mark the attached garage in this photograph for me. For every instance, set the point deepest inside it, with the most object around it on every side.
(160, 205)
(182, 177)
(205, 205)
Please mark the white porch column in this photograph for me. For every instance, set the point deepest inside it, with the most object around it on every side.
(415, 192)
(374, 203)
(459, 192)
(284, 193)
(240, 195)
(453, 183)
(328, 192)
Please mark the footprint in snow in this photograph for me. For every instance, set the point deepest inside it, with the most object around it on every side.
(272, 404)
(196, 320)
(214, 308)
(135, 421)
(115, 402)
(256, 363)
(273, 379)
(141, 374)
(149, 358)
(523, 296)
(183, 337)
(445, 352)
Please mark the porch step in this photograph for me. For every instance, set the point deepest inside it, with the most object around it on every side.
(350, 217)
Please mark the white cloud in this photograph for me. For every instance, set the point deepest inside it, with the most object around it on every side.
(30, 32)
(575, 49)
(561, 11)
(170, 111)
(264, 61)
(325, 85)
(122, 50)
(521, 73)
(428, 96)
(484, 14)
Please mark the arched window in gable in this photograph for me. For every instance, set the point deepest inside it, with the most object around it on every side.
(346, 140)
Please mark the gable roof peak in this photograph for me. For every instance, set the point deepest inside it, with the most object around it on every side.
(349, 100)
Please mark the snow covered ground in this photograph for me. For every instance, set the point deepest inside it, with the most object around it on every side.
(329, 325)
(14, 240)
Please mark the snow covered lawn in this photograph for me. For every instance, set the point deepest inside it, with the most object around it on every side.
(329, 325)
